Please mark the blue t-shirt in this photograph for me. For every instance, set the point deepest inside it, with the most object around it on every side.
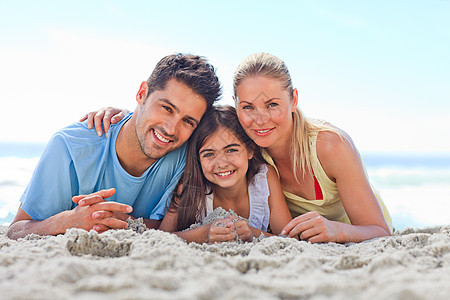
(76, 161)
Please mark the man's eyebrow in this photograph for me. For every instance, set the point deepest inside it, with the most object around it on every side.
(170, 103)
(175, 108)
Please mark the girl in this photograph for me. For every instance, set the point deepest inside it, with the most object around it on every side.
(225, 169)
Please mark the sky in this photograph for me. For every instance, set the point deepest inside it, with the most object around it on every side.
(379, 70)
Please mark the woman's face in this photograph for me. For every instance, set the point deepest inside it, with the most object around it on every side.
(264, 108)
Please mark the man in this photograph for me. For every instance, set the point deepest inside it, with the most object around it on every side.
(136, 166)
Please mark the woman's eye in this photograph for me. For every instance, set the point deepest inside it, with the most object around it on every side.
(273, 104)
(246, 107)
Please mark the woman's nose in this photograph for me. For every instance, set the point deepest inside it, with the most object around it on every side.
(261, 116)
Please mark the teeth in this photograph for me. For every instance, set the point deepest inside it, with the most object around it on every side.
(225, 173)
(160, 137)
(263, 131)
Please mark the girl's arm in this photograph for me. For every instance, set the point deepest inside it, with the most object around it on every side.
(342, 164)
(209, 233)
(279, 212)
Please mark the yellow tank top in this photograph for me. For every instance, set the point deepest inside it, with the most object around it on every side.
(330, 206)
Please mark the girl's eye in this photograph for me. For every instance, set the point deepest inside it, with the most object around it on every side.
(231, 150)
(207, 155)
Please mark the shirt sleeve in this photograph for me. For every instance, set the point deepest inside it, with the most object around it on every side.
(53, 182)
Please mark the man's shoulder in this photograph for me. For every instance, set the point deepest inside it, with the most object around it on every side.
(78, 135)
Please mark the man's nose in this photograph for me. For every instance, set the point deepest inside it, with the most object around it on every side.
(170, 126)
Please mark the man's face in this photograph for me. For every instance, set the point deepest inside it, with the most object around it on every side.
(167, 118)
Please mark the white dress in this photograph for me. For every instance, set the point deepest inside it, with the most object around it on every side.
(258, 192)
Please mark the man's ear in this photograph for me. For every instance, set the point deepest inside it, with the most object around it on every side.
(142, 93)
(295, 99)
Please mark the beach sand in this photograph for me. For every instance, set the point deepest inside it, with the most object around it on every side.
(124, 264)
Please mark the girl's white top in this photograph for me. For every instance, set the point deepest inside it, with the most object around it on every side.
(258, 192)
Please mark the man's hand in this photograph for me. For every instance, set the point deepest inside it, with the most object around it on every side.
(103, 215)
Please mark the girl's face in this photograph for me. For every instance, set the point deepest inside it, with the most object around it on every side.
(264, 108)
(224, 159)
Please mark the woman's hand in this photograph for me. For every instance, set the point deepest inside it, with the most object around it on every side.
(314, 228)
(109, 115)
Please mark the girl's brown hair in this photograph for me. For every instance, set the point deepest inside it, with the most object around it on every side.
(190, 199)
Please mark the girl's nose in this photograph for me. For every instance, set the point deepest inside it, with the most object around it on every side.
(221, 161)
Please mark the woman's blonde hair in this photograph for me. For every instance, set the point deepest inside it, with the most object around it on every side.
(265, 64)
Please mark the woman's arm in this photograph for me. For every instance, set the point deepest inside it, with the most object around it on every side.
(342, 164)
(279, 212)
(107, 115)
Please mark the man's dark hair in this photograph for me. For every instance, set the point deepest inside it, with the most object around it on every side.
(193, 70)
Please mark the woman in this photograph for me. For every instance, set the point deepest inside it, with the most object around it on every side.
(322, 176)
(321, 172)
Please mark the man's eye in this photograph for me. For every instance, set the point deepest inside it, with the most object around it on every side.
(167, 108)
(189, 122)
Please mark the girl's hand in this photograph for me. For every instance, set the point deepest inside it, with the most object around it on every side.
(221, 231)
(109, 115)
(313, 228)
(243, 230)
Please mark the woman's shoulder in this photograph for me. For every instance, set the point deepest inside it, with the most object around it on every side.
(271, 173)
(335, 151)
(333, 141)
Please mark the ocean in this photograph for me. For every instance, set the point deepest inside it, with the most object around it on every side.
(415, 188)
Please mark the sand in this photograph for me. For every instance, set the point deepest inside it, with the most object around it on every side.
(125, 264)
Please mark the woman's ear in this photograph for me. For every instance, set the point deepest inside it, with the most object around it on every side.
(142, 93)
(294, 99)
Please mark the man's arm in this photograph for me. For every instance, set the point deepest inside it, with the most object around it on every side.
(98, 197)
(84, 217)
